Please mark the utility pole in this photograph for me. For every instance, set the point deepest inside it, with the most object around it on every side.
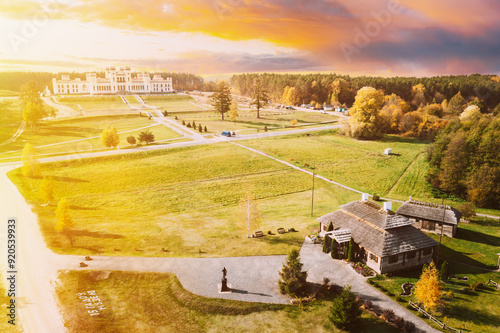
(442, 225)
(312, 197)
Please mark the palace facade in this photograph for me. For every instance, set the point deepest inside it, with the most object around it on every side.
(117, 80)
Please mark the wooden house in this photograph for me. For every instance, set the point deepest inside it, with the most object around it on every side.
(386, 241)
(431, 217)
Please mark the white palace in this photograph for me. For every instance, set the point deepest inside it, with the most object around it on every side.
(118, 80)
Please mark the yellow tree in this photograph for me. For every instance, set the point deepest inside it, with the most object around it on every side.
(233, 111)
(365, 114)
(31, 166)
(47, 189)
(428, 289)
(32, 114)
(110, 138)
(249, 212)
(64, 223)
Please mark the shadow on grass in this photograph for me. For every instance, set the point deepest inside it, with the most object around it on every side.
(464, 313)
(399, 139)
(245, 292)
(457, 257)
(282, 240)
(95, 234)
(477, 237)
(70, 179)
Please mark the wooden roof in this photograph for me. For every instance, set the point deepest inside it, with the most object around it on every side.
(341, 235)
(430, 212)
(381, 232)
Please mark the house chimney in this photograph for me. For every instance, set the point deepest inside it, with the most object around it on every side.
(364, 196)
(387, 205)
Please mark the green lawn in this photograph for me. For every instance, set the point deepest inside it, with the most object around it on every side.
(92, 102)
(154, 302)
(11, 117)
(56, 131)
(183, 199)
(475, 246)
(359, 164)
(172, 103)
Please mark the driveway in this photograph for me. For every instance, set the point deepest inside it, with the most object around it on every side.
(320, 265)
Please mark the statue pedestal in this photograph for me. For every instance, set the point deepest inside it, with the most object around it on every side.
(224, 287)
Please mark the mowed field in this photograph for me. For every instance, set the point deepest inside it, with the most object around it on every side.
(52, 137)
(358, 164)
(183, 199)
(154, 302)
(92, 102)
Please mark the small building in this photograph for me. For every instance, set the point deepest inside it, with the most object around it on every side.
(328, 107)
(386, 241)
(431, 217)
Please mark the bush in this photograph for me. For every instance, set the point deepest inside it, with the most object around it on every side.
(269, 232)
(443, 273)
(388, 314)
(205, 129)
(194, 124)
(371, 282)
(265, 128)
(131, 140)
(409, 327)
(176, 118)
(183, 122)
(368, 304)
(376, 197)
(399, 322)
(200, 129)
(400, 299)
(188, 125)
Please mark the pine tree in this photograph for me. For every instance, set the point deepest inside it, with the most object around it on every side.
(443, 273)
(221, 98)
(350, 253)
(346, 309)
(31, 166)
(428, 288)
(292, 278)
(334, 249)
(260, 97)
(327, 243)
(64, 223)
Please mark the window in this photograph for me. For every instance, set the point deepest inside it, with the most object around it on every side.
(427, 251)
(373, 257)
(393, 259)
(411, 255)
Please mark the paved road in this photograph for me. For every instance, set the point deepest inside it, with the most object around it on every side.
(320, 265)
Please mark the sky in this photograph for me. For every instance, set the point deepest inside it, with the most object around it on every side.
(356, 37)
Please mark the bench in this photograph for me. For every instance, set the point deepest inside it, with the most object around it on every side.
(259, 234)
(281, 230)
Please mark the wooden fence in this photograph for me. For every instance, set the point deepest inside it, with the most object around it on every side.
(432, 318)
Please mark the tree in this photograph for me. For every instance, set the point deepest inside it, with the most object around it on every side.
(418, 94)
(31, 166)
(293, 122)
(428, 288)
(327, 243)
(456, 104)
(47, 189)
(346, 309)
(467, 209)
(471, 113)
(233, 111)
(480, 104)
(64, 223)
(260, 98)
(365, 114)
(292, 279)
(340, 92)
(146, 136)
(131, 140)
(32, 104)
(334, 246)
(221, 98)
(350, 252)
(443, 272)
(249, 212)
(110, 138)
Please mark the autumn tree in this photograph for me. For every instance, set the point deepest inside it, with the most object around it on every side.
(233, 111)
(365, 114)
(146, 136)
(471, 113)
(291, 95)
(260, 98)
(47, 189)
(292, 279)
(110, 138)
(456, 104)
(346, 309)
(221, 98)
(64, 222)
(418, 95)
(131, 140)
(340, 92)
(249, 212)
(31, 166)
(391, 114)
(428, 288)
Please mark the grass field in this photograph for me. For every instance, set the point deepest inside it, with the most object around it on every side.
(172, 103)
(57, 131)
(92, 102)
(359, 164)
(154, 302)
(11, 117)
(182, 199)
(474, 249)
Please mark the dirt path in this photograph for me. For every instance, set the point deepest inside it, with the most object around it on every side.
(63, 111)
(19, 131)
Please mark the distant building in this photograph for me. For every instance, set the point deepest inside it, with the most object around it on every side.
(328, 107)
(387, 241)
(117, 80)
(431, 217)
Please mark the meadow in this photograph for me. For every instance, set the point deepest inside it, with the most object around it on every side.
(182, 199)
(82, 131)
(155, 302)
(11, 117)
(471, 253)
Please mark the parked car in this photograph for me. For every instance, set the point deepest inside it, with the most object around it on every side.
(226, 133)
